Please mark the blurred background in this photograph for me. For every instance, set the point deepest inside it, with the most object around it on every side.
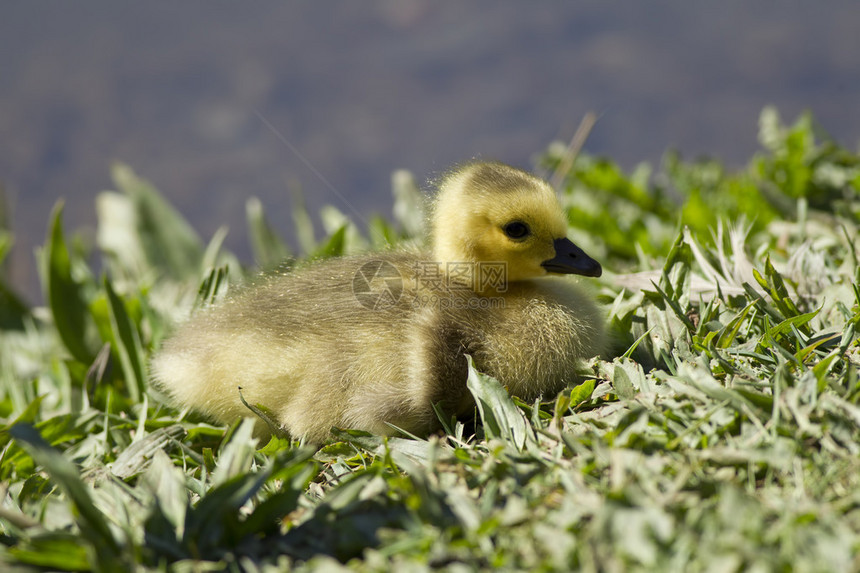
(215, 102)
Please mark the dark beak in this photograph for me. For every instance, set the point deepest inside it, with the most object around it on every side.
(570, 259)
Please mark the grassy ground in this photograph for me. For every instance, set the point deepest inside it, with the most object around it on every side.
(723, 435)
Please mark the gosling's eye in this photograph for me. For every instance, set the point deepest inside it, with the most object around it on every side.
(516, 229)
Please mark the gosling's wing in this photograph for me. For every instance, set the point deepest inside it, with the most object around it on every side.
(294, 342)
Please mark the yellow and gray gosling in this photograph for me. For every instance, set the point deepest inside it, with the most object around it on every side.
(371, 340)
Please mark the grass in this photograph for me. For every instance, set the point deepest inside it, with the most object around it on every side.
(723, 435)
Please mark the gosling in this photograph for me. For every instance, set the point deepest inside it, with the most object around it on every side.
(372, 342)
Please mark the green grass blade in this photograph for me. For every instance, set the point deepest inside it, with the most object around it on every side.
(268, 248)
(13, 310)
(127, 344)
(382, 234)
(213, 251)
(93, 523)
(52, 551)
(581, 393)
(213, 288)
(169, 242)
(409, 203)
(334, 246)
(66, 297)
(303, 224)
(502, 419)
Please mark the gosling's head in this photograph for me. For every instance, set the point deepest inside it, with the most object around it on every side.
(492, 212)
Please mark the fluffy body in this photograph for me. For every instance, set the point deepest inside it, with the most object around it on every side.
(303, 345)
